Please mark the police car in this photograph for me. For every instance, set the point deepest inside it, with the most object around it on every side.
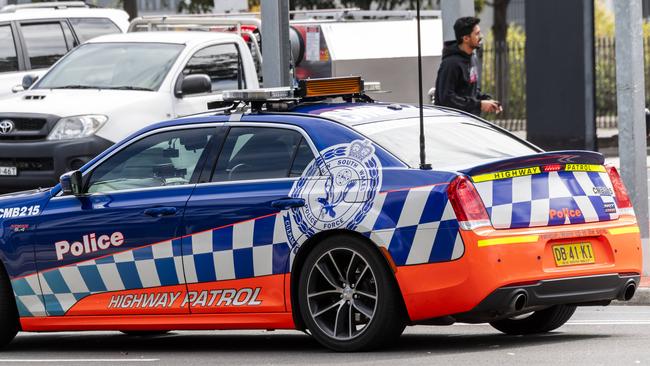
(296, 210)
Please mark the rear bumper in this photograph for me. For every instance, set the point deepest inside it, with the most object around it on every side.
(478, 282)
(587, 290)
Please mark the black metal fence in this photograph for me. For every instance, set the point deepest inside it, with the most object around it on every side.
(504, 76)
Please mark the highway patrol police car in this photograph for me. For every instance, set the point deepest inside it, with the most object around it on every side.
(292, 211)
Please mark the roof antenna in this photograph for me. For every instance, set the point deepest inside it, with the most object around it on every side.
(423, 164)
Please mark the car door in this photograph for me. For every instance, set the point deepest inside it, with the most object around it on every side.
(116, 249)
(223, 64)
(237, 251)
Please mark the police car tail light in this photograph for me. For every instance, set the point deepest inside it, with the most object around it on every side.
(331, 86)
(467, 204)
(620, 193)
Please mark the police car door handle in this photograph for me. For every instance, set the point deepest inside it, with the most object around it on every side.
(160, 211)
(287, 203)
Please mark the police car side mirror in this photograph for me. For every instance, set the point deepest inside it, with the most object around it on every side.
(71, 183)
(17, 88)
(195, 84)
(28, 80)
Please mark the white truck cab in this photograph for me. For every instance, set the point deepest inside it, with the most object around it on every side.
(106, 89)
(34, 36)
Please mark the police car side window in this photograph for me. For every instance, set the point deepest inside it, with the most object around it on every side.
(222, 63)
(303, 157)
(164, 159)
(261, 153)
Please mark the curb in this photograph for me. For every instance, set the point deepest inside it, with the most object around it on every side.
(641, 297)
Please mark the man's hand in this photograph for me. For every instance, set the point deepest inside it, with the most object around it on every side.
(491, 106)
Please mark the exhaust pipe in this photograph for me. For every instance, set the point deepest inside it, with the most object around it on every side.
(519, 301)
(628, 291)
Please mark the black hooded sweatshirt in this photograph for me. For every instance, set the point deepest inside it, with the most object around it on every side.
(457, 81)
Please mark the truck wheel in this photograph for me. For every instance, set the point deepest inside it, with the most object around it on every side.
(538, 322)
(9, 325)
(348, 298)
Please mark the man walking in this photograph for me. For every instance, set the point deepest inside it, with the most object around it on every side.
(457, 81)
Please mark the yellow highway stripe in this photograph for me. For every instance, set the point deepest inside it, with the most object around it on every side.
(624, 230)
(508, 240)
(535, 170)
(507, 174)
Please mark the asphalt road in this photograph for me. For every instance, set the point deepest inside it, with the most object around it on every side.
(616, 335)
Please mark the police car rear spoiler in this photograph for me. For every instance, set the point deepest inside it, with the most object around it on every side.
(544, 162)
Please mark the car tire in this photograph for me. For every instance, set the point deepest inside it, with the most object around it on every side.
(144, 333)
(9, 325)
(538, 322)
(348, 297)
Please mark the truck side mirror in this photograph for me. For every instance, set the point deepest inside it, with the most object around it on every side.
(195, 84)
(29, 80)
(71, 183)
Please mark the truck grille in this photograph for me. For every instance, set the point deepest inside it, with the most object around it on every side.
(27, 127)
(29, 124)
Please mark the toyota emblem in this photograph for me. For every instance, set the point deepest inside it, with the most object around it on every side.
(6, 127)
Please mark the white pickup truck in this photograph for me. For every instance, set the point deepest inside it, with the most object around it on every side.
(108, 88)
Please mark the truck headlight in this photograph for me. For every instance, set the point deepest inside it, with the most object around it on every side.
(77, 126)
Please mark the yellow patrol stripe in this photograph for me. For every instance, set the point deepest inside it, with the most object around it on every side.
(584, 168)
(508, 240)
(535, 170)
(624, 230)
(507, 174)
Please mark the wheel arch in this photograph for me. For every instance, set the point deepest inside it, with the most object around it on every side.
(304, 250)
(4, 276)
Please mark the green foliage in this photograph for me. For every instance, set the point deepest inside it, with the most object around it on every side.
(195, 6)
(605, 60)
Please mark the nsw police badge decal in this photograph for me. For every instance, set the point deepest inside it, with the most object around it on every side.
(339, 190)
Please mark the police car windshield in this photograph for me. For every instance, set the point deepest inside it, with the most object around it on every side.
(123, 66)
(450, 141)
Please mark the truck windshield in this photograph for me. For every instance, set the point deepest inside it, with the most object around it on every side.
(450, 141)
(126, 66)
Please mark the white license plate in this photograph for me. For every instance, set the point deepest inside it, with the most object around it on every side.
(8, 170)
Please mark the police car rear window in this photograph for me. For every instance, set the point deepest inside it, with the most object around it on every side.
(450, 141)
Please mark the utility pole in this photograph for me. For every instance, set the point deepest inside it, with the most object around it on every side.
(275, 43)
(452, 10)
(630, 98)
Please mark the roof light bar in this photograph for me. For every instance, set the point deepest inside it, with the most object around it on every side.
(258, 95)
(308, 88)
(371, 86)
(330, 87)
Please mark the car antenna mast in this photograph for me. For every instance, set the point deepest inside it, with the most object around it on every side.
(423, 163)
